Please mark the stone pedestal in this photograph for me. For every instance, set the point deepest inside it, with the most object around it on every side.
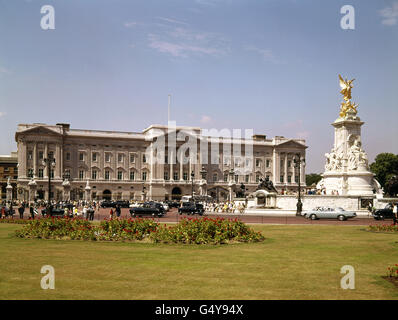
(347, 169)
(87, 191)
(231, 184)
(32, 190)
(9, 192)
(202, 187)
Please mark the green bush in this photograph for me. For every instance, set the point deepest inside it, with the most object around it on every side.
(205, 230)
(195, 231)
(383, 228)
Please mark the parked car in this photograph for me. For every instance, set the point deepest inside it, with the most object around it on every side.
(191, 208)
(107, 204)
(55, 212)
(385, 213)
(121, 203)
(148, 208)
(173, 204)
(329, 213)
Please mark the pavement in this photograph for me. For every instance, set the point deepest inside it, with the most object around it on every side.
(173, 216)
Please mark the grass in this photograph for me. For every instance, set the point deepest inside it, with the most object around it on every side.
(294, 262)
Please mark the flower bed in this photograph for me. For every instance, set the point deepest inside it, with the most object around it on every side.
(205, 230)
(192, 231)
(383, 228)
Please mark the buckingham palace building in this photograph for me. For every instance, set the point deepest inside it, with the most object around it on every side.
(163, 162)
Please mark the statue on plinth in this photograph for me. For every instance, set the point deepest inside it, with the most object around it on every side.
(266, 184)
(347, 107)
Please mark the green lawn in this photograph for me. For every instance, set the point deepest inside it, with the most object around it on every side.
(295, 262)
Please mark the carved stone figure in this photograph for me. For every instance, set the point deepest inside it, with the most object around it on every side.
(266, 185)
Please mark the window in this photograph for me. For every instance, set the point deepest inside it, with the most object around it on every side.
(296, 179)
(94, 174)
(68, 156)
(132, 158)
(226, 177)
(247, 178)
(166, 175)
(81, 174)
(289, 179)
(144, 175)
(281, 178)
(41, 155)
(175, 175)
(51, 155)
(289, 163)
(81, 156)
(185, 176)
(120, 175)
(30, 155)
(257, 162)
(107, 157)
(144, 158)
(94, 157)
(227, 161)
(236, 178)
(215, 177)
(120, 157)
(52, 173)
(132, 175)
(257, 178)
(106, 174)
(41, 173)
(268, 163)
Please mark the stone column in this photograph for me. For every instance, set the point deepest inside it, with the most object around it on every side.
(285, 173)
(57, 173)
(171, 160)
(21, 159)
(181, 166)
(46, 171)
(35, 171)
(275, 167)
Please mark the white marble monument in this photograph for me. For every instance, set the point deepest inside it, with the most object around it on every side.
(347, 168)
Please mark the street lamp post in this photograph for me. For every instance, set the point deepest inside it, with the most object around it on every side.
(49, 162)
(297, 161)
(192, 176)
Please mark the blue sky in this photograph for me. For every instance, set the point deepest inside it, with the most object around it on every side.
(271, 66)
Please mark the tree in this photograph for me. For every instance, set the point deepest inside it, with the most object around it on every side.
(312, 178)
(384, 167)
(391, 186)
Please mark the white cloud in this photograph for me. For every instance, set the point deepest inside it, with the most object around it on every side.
(266, 54)
(181, 42)
(172, 20)
(205, 119)
(2, 114)
(389, 15)
(130, 24)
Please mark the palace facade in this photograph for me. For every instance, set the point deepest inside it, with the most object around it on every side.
(93, 164)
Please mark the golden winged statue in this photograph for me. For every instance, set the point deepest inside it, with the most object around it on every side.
(346, 86)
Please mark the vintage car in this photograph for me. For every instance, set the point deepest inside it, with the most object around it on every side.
(154, 209)
(191, 208)
(385, 213)
(328, 213)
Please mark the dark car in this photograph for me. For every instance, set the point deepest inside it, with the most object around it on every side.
(191, 208)
(148, 208)
(7, 211)
(173, 204)
(56, 211)
(385, 213)
(122, 203)
(107, 204)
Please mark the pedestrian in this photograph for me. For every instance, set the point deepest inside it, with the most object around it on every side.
(370, 208)
(85, 213)
(395, 213)
(3, 212)
(118, 210)
(31, 211)
(91, 213)
(111, 214)
(21, 210)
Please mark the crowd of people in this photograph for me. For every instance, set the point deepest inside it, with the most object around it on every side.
(225, 207)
